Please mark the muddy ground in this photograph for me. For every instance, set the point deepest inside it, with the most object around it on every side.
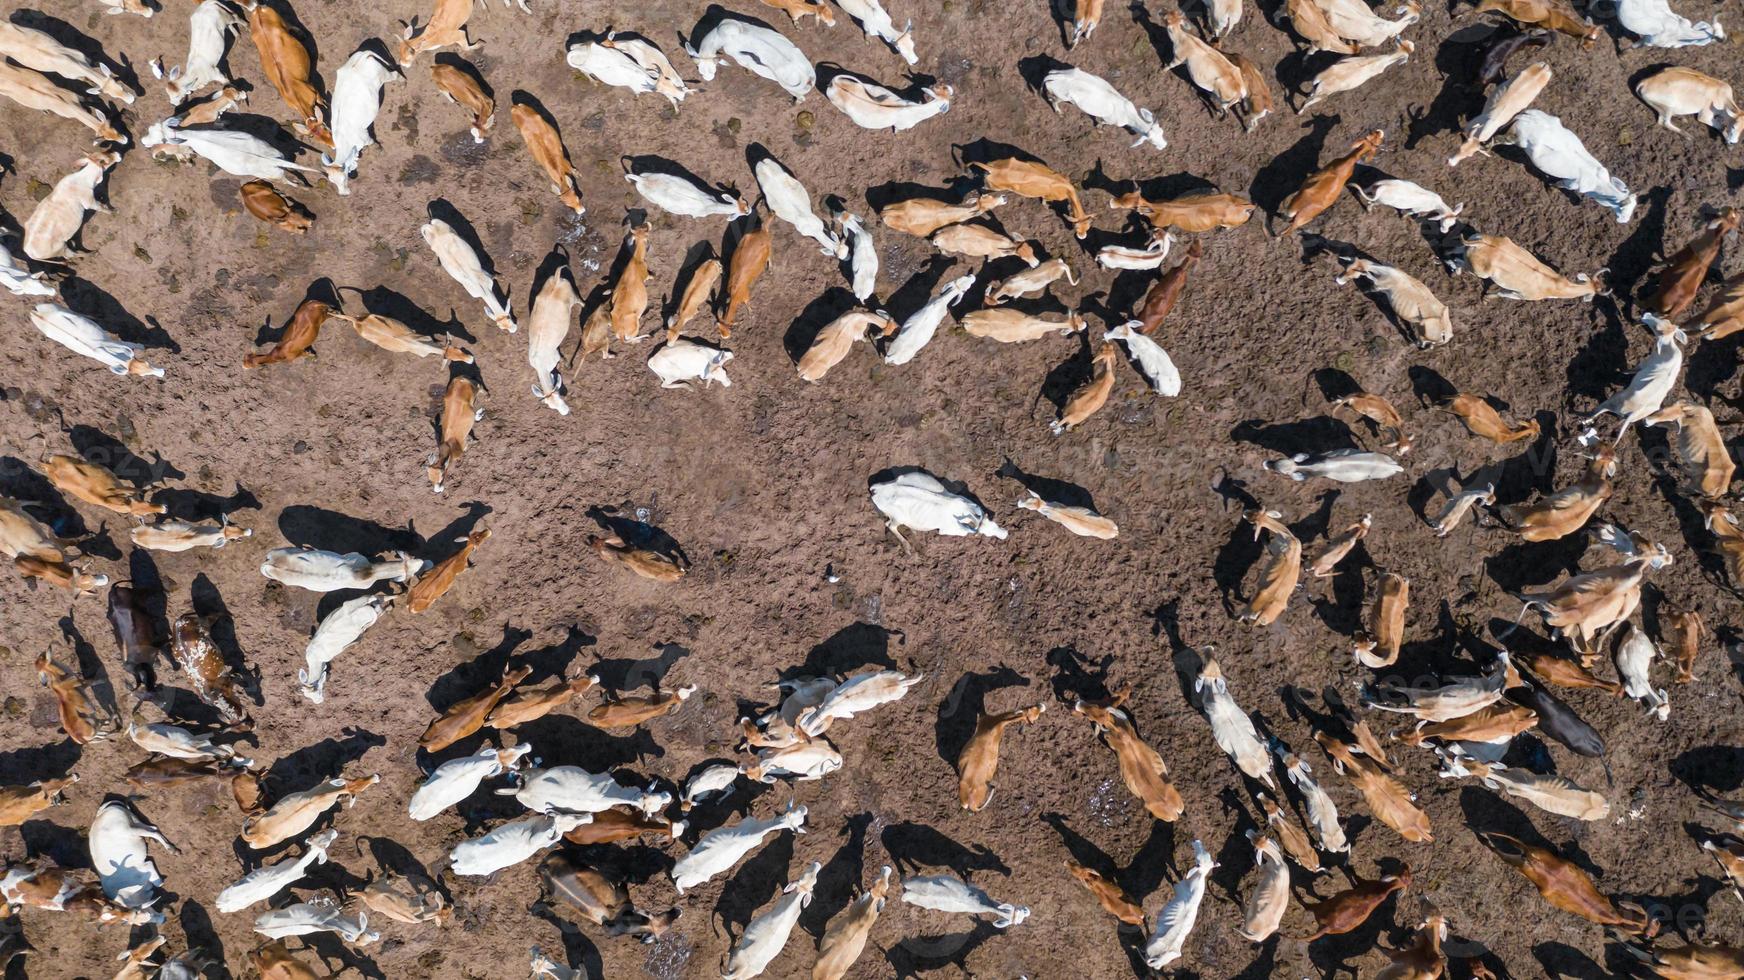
(764, 487)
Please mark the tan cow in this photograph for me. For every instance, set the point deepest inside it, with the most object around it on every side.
(629, 301)
(20, 803)
(1482, 420)
(980, 756)
(1090, 396)
(435, 583)
(702, 282)
(844, 938)
(49, 232)
(1725, 313)
(34, 90)
(82, 718)
(1323, 187)
(749, 260)
(1141, 768)
(291, 70)
(1108, 894)
(1283, 568)
(921, 216)
(837, 337)
(468, 715)
(1339, 546)
(455, 428)
(1566, 886)
(95, 485)
(299, 337)
(296, 812)
(462, 88)
(1685, 272)
(645, 562)
(391, 335)
(535, 703)
(1389, 801)
(1567, 510)
(622, 712)
(1386, 623)
(796, 10)
(1026, 178)
(446, 27)
(260, 199)
(978, 241)
(1706, 465)
(545, 145)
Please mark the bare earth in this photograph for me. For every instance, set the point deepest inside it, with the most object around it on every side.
(764, 486)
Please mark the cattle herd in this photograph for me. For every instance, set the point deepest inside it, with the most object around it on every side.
(1498, 722)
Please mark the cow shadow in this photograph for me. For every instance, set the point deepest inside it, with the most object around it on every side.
(87, 299)
(847, 651)
(305, 525)
(915, 847)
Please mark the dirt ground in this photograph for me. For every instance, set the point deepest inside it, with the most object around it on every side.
(764, 486)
